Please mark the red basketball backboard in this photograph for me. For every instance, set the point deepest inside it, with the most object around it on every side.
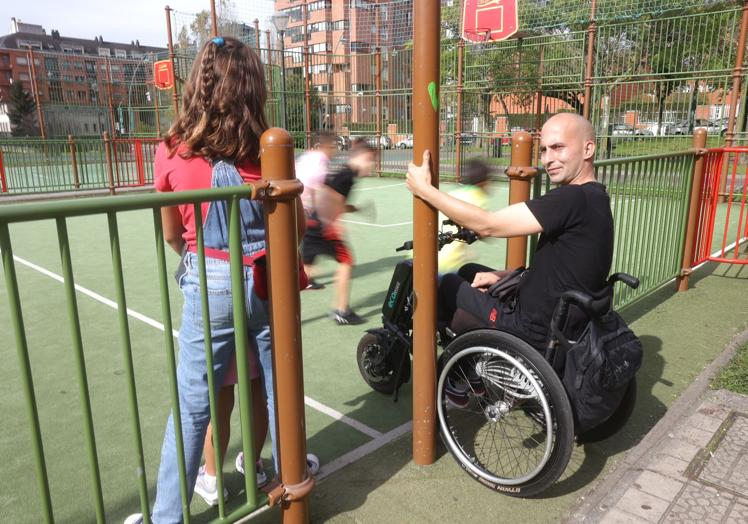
(163, 74)
(484, 20)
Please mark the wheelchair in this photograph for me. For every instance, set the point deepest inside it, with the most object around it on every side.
(503, 412)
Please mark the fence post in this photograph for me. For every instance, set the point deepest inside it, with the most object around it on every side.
(257, 35)
(520, 175)
(378, 96)
(590, 64)
(140, 168)
(174, 95)
(277, 153)
(307, 79)
(697, 175)
(35, 89)
(458, 118)
(426, 17)
(270, 74)
(108, 156)
(74, 162)
(213, 19)
(3, 181)
(737, 77)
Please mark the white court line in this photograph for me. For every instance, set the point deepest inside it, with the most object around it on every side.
(337, 415)
(379, 187)
(325, 410)
(375, 225)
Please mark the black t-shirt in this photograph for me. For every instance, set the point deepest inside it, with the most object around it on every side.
(575, 252)
(341, 181)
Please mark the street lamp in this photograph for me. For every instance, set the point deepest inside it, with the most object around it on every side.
(280, 21)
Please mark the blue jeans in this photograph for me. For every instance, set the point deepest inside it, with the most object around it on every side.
(192, 378)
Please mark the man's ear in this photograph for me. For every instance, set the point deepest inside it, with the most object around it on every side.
(589, 149)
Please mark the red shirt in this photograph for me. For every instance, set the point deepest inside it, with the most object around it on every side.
(180, 174)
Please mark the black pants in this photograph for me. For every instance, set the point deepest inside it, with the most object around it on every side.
(464, 307)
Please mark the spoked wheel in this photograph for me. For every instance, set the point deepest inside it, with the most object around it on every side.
(378, 360)
(503, 413)
(616, 421)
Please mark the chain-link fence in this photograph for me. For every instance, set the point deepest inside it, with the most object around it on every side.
(646, 72)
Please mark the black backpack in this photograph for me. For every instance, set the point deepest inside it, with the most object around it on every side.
(598, 368)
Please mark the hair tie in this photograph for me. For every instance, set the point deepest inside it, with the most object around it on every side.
(218, 40)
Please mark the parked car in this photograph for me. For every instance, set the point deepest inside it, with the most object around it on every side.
(344, 143)
(713, 127)
(629, 130)
(405, 143)
(385, 142)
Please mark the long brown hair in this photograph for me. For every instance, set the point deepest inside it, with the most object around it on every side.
(223, 104)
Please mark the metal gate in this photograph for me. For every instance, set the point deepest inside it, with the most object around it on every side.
(722, 232)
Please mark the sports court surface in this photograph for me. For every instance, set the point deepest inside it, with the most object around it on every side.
(345, 419)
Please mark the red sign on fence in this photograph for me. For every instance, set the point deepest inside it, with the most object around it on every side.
(163, 74)
(484, 20)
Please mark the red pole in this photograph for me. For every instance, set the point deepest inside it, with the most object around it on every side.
(213, 19)
(308, 82)
(139, 162)
(426, 16)
(35, 89)
(591, 32)
(3, 181)
(175, 96)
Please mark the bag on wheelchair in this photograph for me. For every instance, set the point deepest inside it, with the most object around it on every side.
(598, 368)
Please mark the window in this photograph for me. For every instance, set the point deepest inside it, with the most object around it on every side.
(120, 53)
(24, 76)
(72, 50)
(104, 51)
(24, 44)
(85, 126)
(80, 79)
(20, 60)
(81, 95)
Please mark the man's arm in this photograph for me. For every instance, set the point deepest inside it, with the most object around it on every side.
(515, 220)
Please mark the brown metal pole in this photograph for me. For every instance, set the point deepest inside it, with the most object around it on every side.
(175, 96)
(109, 97)
(458, 118)
(108, 156)
(74, 162)
(591, 32)
(270, 74)
(213, 19)
(697, 175)
(519, 191)
(737, 78)
(538, 111)
(35, 89)
(308, 80)
(426, 17)
(378, 87)
(158, 116)
(257, 35)
(277, 153)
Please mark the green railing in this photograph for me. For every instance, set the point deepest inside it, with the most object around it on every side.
(35, 165)
(65, 214)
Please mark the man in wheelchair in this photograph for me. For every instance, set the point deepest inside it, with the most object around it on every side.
(574, 252)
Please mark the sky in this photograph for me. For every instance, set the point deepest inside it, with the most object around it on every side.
(118, 20)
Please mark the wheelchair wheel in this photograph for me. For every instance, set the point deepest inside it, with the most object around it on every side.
(378, 365)
(616, 421)
(503, 413)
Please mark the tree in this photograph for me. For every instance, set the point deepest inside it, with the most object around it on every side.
(22, 112)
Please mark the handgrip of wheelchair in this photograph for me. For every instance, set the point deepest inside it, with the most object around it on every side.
(630, 280)
(592, 307)
(407, 246)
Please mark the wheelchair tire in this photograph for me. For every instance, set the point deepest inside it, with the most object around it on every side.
(378, 366)
(616, 421)
(513, 430)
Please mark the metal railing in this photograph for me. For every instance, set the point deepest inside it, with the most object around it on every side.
(35, 165)
(282, 241)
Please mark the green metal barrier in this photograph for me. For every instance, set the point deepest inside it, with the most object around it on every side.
(649, 197)
(36, 165)
(111, 207)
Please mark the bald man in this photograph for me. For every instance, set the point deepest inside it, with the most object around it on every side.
(574, 252)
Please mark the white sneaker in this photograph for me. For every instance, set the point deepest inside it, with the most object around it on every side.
(205, 486)
(135, 518)
(261, 476)
(312, 462)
